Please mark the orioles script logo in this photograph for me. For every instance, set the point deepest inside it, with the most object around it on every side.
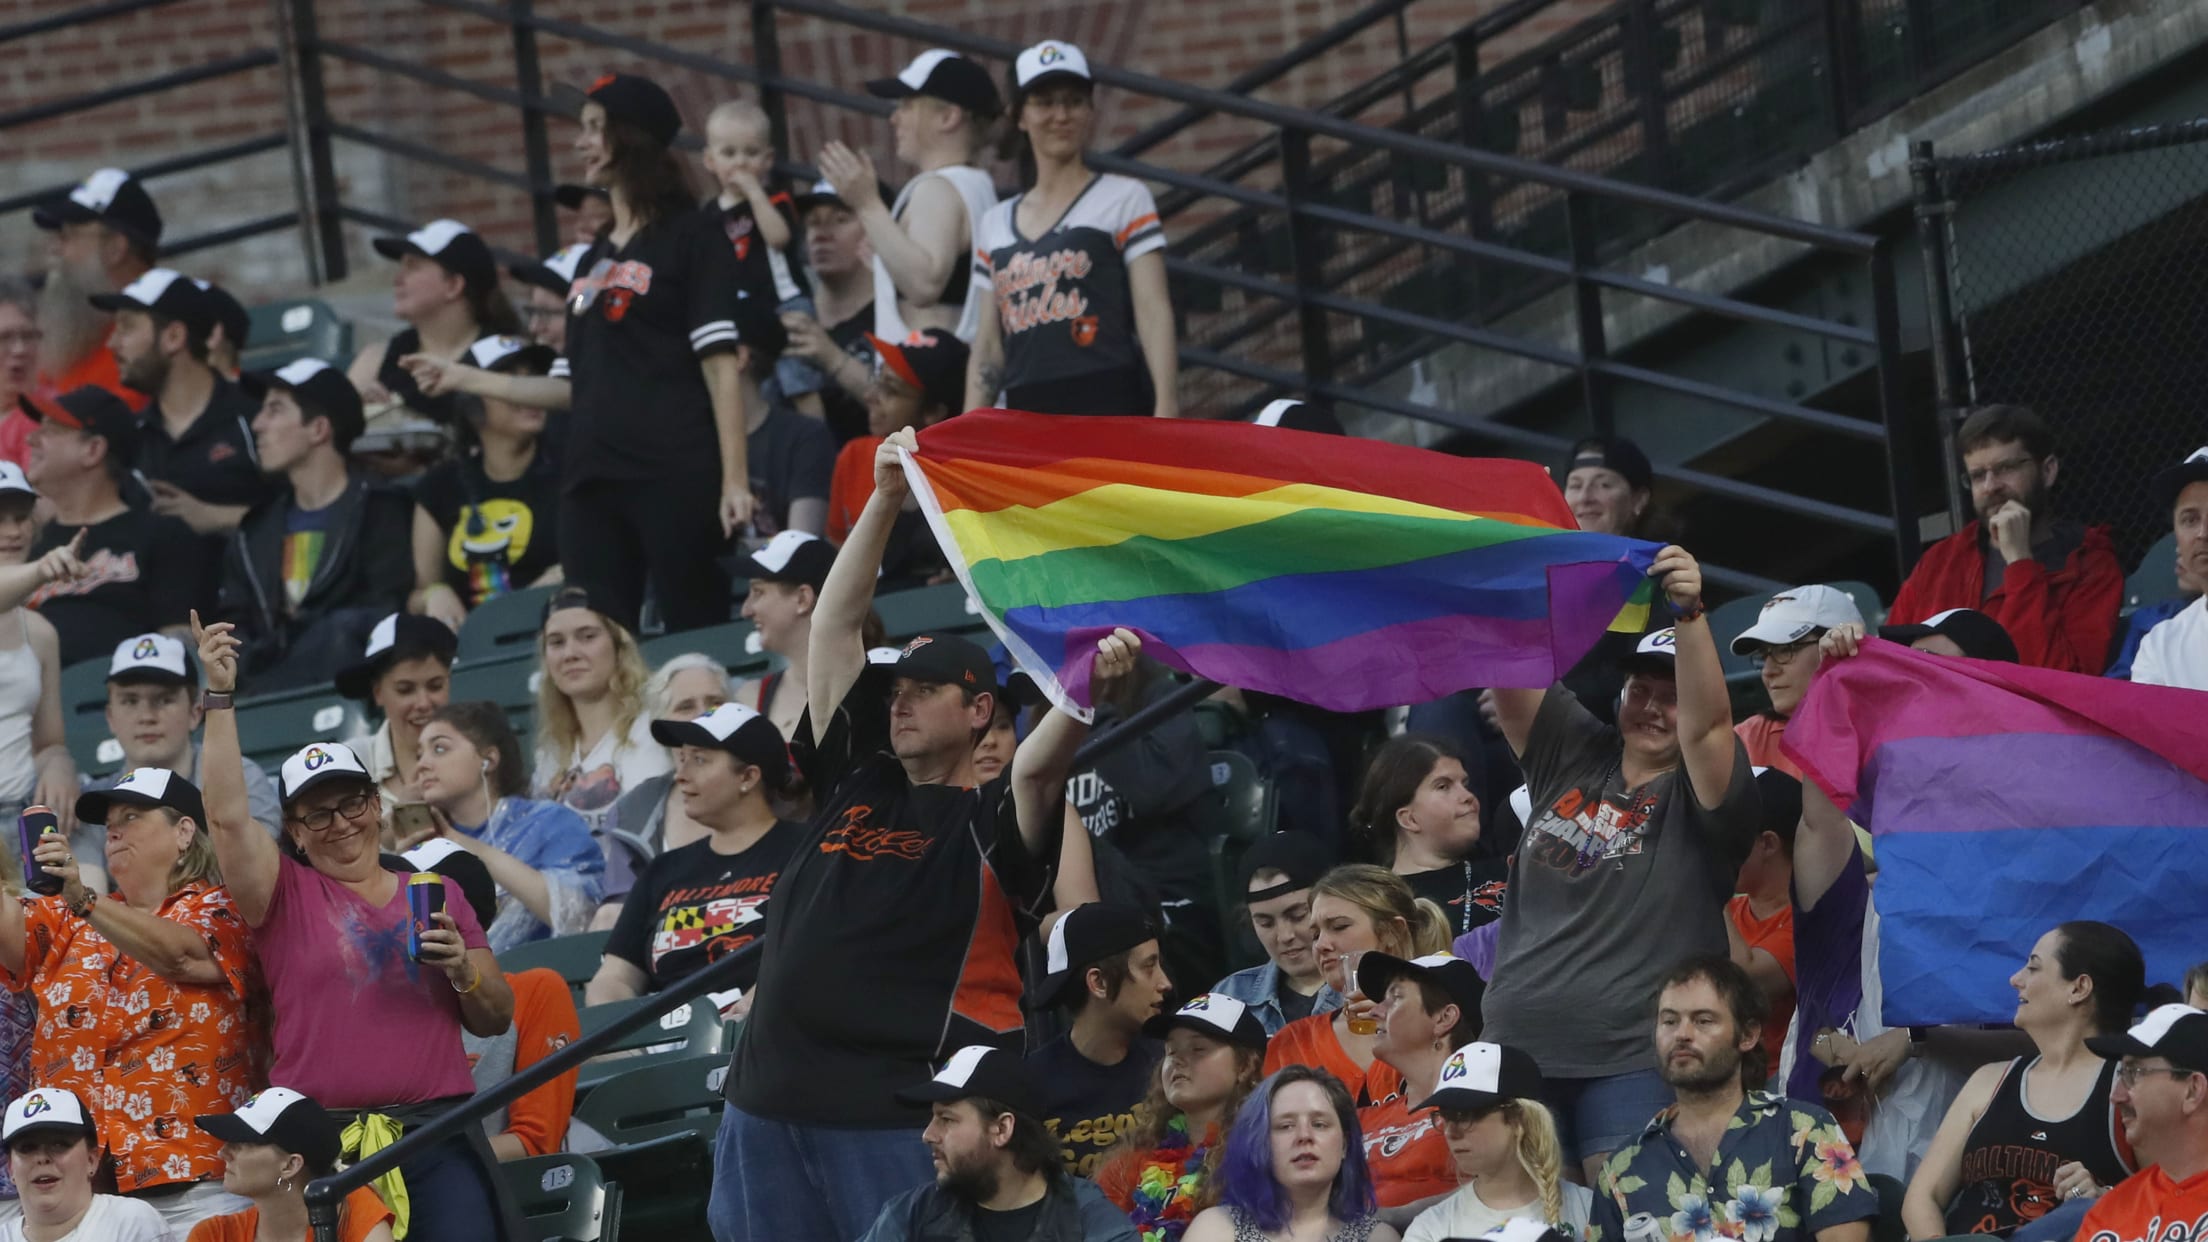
(862, 842)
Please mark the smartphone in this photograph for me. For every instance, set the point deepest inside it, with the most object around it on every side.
(410, 819)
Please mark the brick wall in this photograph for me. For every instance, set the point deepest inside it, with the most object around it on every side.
(1201, 42)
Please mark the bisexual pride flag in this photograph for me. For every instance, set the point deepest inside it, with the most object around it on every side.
(2004, 800)
(1350, 574)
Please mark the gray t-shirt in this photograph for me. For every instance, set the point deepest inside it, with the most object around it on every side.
(1611, 888)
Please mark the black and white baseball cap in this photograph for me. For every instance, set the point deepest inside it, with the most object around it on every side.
(14, 481)
(511, 353)
(1052, 58)
(444, 856)
(980, 1071)
(555, 273)
(392, 637)
(112, 197)
(144, 787)
(1656, 653)
(1482, 1075)
(151, 658)
(1298, 415)
(283, 1118)
(2176, 1033)
(940, 73)
(322, 390)
(450, 244)
(734, 728)
(1221, 1017)
(165, 292)
(1979, 636)
(2170, 482)
(794, 557)
(317, 763)
(1796, 613)
(42, 1110)
(1087, 934)
(1455, 976)
(1301, 857)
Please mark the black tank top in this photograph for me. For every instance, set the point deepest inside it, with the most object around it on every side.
(2010, 1158)
(400, 382)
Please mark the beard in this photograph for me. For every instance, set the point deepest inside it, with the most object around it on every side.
(974, 1182)
(2033, 498)
(73, 327)
(1719, 1068)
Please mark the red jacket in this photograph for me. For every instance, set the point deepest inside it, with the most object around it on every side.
(2061, 620)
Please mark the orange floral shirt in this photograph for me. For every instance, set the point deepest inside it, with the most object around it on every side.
(144, 1054)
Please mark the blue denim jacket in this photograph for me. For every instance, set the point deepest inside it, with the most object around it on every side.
(1259, 988)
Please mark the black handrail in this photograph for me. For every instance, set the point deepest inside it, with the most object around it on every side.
(77, 17)
(325, 1193)
(146, 86)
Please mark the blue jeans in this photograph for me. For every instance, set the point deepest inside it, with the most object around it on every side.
(451, 1195)
(2060, 1225)
(778, 1182)
(1596, 1116)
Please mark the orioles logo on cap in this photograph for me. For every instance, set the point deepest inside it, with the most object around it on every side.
(38, 1103)
(144, 650)
(1050, 55)
(316, 757)
(1777, 600)
(1454, 1065)
(1201, 1004)
(916, 644)
(604, 81)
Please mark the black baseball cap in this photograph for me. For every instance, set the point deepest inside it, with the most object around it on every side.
(230, 314)
(931, 360)
(571, 595)
(1460, 979)
(1084, 936)
(283, 1118)
(946, 659)
(452, 246)
(638, 101)
(1213, 1014)
(112, 197)
(736, 729)
(399, 634)
(794, 556)
(92, 410)
(572, 196)
(1481, 1075)
(169, 294)
(940, 73)
(1300, 856)
(1782, 802)
(1980, 636)
(1612, 453)
(2170, 482)
(554, 273)
(2176, 1033)
(445, 857)
(322, 391)
(144, 787)
(979, 1071)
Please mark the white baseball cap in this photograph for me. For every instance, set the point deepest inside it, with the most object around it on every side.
(313, 764)
(12, 479)
(150, 656)
(1796, 613)
(1050, 59)
(493, 352)
(41, 1109)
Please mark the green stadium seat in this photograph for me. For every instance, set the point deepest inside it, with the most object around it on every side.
(1866, 600)
(1219, 722)
(510, 683)
(272, 726)
(1727, 620)
(504, 626)
(1887, 1227)
(658, 1097)
(84, 716)
(943, 608)
(565, 1198)
(284, 332)
(573, 958)
(1245, 810)
(735, 644)
(664, 1182)
(693, 1030)
(2154, 581)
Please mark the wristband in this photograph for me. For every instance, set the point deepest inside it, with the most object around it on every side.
(471, 987)
(1684, 615)
(214, 700)
(82, 906)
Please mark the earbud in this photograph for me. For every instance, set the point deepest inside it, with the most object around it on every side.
(486, 765)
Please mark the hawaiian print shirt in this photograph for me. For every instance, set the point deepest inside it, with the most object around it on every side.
(144, 1054)
(1783, 1172)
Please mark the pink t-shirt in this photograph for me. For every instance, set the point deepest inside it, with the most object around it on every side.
(358, 1024)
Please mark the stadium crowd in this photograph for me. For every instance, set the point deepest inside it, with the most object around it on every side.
(1590, 962)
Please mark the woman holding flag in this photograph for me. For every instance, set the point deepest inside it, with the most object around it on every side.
(1635, 826)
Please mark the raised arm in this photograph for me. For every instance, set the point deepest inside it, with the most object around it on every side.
(837, 653)
(1514, 713)
(249, 857)
(1041, 764)
(62, 564)
(1154, 329)
(919, 253)
(1706, 741)
(168, 948)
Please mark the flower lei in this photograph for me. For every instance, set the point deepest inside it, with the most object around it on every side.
(1166, 1188)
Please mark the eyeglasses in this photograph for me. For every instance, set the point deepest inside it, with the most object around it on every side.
(22, 338)
(1780, 655)
(545, 314)
(1465, 1118)
(350, 807)
(2014, 465)
(2129, 1075)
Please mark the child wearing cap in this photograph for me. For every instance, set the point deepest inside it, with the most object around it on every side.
(53, 1153)
(1166, 1170)
(1076, 317)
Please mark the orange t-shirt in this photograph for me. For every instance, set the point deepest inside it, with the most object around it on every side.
(2148, 1207)
(1775, 936)
(361, 1212)
(850, 487)
(100, 370)
(544, 1022)
(1759, 736)
(1406, 1151)
(1310, 1041)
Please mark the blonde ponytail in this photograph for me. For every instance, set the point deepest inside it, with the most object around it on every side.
(1429, 928)
(1540, 1156)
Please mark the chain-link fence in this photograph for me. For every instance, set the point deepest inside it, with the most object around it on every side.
(2077, 269)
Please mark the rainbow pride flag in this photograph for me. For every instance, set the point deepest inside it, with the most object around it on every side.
(1350, 574)
(2005, 800)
